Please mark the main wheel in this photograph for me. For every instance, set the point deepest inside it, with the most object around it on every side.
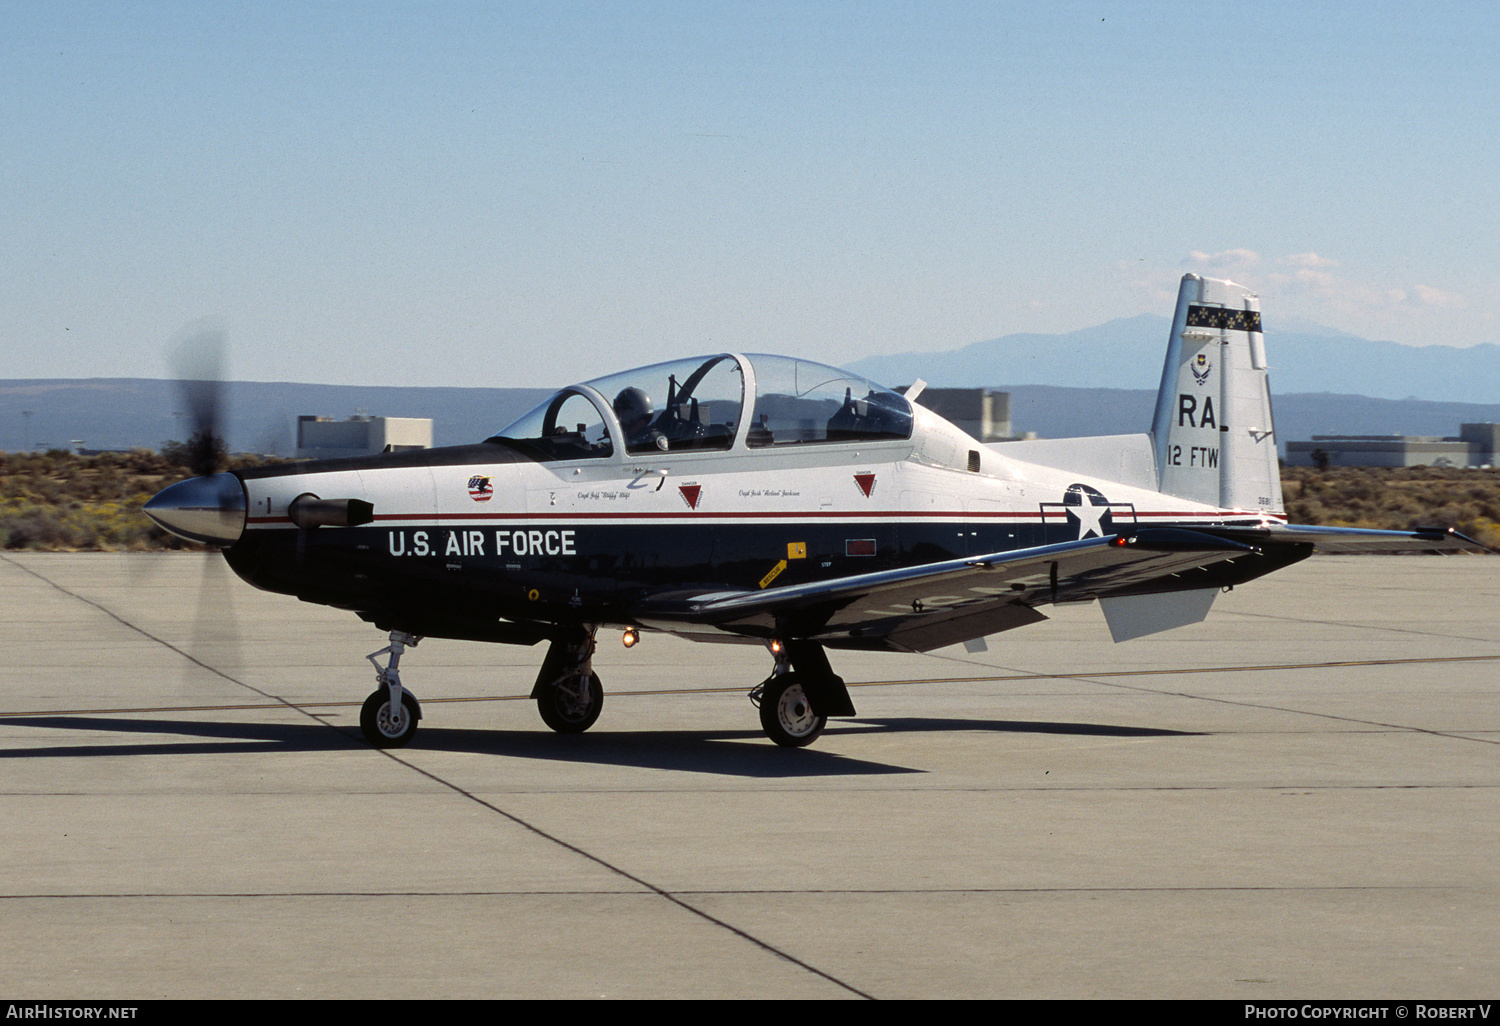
(382, 729)
(786, 714)
(572, 706)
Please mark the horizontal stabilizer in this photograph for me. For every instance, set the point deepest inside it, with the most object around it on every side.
(1433, 541)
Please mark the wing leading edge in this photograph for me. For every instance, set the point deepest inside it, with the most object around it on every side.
(921, 608)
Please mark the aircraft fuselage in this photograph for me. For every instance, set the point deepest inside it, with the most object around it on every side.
(477, 534)
(775, 500)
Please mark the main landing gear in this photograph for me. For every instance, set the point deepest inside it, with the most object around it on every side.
(567, 690)
(799, 696)
(786, 713)
(795, 702)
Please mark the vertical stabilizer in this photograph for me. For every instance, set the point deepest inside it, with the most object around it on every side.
(1212, 431)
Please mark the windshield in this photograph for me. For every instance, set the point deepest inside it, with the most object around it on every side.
(697, 404)
(568, 426)
(667, 407)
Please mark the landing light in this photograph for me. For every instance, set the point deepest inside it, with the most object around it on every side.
(630, 637)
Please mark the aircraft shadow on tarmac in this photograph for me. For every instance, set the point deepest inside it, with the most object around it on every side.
(911, 724)
(690, 750)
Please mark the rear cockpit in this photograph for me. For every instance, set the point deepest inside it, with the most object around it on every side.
(799, 402)
(700, 405)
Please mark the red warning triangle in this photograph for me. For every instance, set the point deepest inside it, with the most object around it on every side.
(866, 483)
(690, 494)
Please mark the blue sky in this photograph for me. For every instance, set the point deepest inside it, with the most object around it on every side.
(515, 193)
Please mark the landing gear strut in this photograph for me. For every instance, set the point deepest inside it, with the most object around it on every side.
(389, 716)
(567, 690)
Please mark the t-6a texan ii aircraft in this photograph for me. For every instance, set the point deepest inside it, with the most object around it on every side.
(779, 502)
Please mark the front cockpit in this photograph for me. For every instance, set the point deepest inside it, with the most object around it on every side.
(701, 404)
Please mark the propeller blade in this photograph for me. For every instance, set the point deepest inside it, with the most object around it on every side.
(198, 363)
(215, 640)
(208, 508)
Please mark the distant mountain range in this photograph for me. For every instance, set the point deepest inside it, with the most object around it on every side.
(1099, 380)
(1127, 353)
(259, 416)
(1068, 412)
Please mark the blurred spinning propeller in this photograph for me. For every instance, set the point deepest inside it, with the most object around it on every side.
(210, 507)
(198, 365)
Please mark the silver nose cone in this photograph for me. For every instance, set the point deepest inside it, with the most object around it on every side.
(210, 509)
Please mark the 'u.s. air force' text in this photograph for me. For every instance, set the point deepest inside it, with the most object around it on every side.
(479, 543)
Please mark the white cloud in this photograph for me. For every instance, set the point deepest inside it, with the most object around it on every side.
(1428, 296)
(1307, 260)
(1314, 287)
(1306, 280)
(1224, 261)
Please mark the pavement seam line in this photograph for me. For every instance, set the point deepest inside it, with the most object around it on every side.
(277, 699)
(660, 892)
(625, 874)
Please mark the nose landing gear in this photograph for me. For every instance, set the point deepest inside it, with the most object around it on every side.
(389, 716)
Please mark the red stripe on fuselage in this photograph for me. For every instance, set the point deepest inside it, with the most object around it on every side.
(1011, 515)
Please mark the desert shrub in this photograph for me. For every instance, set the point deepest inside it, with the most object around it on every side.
(1462, 499)
(1485, 530)
(33, 527)
(1306, 511)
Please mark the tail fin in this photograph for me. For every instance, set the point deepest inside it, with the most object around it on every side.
(1212, 431)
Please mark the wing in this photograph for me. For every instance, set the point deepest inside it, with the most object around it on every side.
(926, 607)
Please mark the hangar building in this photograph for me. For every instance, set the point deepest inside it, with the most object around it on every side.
(323, 437)
(1475, 446)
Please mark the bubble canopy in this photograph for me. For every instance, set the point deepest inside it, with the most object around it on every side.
(700, 404)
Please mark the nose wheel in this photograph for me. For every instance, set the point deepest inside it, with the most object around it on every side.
(380, 727)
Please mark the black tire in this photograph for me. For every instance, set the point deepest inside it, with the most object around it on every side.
(786, 713)
(565, 712)
(375, 719)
